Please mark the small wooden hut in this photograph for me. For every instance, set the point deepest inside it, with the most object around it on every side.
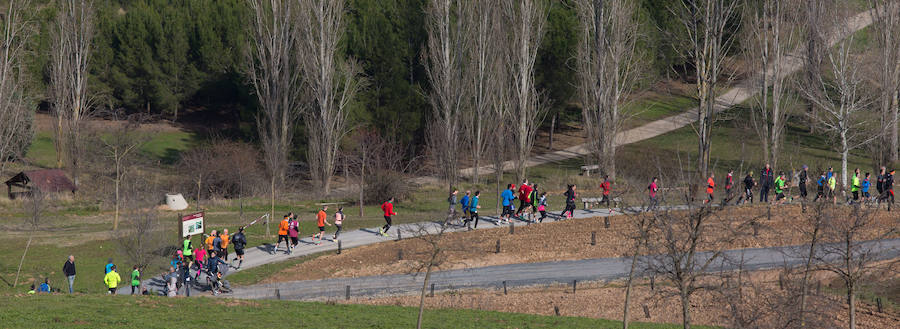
(47, 181)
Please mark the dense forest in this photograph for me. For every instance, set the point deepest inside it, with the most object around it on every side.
(184, 60)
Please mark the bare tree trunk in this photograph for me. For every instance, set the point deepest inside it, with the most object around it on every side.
(685, 310)
(443, 70)
(527, 19)
(552, 130)
(422, 298)
(628, 286)
(272, 199)
(16, 114)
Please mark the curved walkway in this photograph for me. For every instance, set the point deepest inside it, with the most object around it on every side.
(523, 274)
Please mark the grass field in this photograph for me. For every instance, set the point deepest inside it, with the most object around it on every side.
(100, 311)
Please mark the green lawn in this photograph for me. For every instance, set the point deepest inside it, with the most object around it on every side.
(163, 146)
(100, 311)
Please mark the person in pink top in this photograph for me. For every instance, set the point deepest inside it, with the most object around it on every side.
(653, 188)
(199, 254)
(293, 232)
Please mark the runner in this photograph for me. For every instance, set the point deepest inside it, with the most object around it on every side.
(464, 204)
(779, 189)
(821, 182)
(803, 178)
(225, 240)
(652, 189)
(524, 197)
(187, 248)
(201, 257)
(322, 220)
(388, 208)
(135, 280)
(710, 188)
(212, 272)
(451, 213)
(570, 202)
(109, 265)
(210, 244)
(879, 183)
(542, 206)
(765, 182)
(293, 232)
(112, 279)
(283, 228)
(507, 198)
(748, 189)
(605, 186)
(854, 185)
(729, 184)
(339, 223)
(865, 189)
(240, 241)
(534, 202)
(473, 210)
(217, 244)
(185, 274)
(832, 187)
(889, 188)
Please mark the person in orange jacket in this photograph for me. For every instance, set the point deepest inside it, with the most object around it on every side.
(283, 233)
(710, 188)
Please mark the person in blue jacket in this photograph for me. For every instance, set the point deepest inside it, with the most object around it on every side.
(473, 210)
(865, 187)
(820, 187)
(464, 203)
(507, 196)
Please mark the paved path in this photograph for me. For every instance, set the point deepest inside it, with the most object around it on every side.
(517, 275)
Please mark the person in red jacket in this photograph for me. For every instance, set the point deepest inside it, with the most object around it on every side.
(710, 188)
(606, 186)
(388, 208)
(524, 196)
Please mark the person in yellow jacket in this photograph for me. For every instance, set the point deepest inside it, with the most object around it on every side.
(112, 280)
(224, 236)
(832, 188)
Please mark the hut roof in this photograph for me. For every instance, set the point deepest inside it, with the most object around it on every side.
(45, 180)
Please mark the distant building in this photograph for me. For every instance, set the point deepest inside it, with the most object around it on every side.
(47, 181)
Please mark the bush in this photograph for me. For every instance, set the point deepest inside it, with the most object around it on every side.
(224, 169)
(384, 184)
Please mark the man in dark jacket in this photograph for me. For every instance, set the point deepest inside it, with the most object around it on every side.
(69, 271)
(239, 241)
(765, 182)
(748, 189)
(803, 178)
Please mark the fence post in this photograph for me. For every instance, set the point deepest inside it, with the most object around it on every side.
(606, 222)
(594, 238)
(646, 311)
(399, 254)
(556, 310)
(880, 306)
(574, 286)
(347, 292)
(498, 246)
(278, 294)
(652, 282)
(339, 247)
(399, 236)
(432, 290)
(504, 287)
(512, 228)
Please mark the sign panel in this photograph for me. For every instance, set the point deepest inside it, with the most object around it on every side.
(192, 224)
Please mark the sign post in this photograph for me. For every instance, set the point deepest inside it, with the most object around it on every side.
(192, 224)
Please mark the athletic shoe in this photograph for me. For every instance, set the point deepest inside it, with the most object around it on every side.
(381, 231)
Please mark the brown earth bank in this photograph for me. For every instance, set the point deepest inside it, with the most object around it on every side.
(764, 305)
(563, 240)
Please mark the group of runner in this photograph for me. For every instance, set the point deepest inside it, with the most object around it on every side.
(289, 229)
(827, 186)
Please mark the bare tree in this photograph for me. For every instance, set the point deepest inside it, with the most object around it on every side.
(642, 223)
(842, 103)
(851, 256)
(70, 55)
(705, 25)
(481, 21)
(144, 236)
(607, 70)
(886, 24)
(120, 147)
(443, 67)
(432, 258)
(816, 25)
(274, 71)
(34, 206)
(16, 113)
(526, 19)
(332, 83)
(770, 32)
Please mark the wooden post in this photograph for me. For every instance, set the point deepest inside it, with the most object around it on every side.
(646, 311)
(652, 283)
(498, 246)
(339, 247)
(180, 228)
(504, 287)
(399, 237)
(606, 222)
(399, 254)
(512, 228)
(278, 294)
(574, 286)
(347, 292)
(556, 310)
(432, 290)
(880, 305)
(594, 238)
